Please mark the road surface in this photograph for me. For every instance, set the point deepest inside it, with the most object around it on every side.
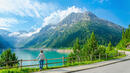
(122, 67)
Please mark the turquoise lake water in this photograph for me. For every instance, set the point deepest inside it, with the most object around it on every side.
(29, 54)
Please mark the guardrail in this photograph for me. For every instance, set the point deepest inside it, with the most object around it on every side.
(63, 61)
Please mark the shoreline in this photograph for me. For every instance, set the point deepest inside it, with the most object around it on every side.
(64, 50)
(49, 49)
(57, 50)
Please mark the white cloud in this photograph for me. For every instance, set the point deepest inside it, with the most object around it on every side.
(14, 34)
(30, 33)
(21, 35)
(5, 23)
(3, 28)
(54, 18)
(25, 7)
(59, 15)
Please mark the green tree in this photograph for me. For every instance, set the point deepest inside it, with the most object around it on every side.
(6, 57)
(91, 49)
(76, 51)
(102, 50)
(91, 46)
(109, 46)
(77, 48)
(125, 39)
(123, 34)
(129, 26)
(92, 43)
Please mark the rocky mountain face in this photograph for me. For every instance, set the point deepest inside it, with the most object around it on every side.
(76, 25)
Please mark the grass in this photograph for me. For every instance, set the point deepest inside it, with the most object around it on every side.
(95, 61)
(66, 48)
(29, 70)
(125, 49)
(18, 70)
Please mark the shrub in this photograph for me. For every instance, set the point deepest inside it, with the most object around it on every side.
(6, 57)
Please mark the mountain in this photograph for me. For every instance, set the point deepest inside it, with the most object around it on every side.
(4, 44)
(4, 32)
(17, 38)
(4, 39)
(76, 25)
(11, 39)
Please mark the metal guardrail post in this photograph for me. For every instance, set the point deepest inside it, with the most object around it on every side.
(63, 60)
(72, 60)
(78, 59)
(46, 63)
(6, 65)
(91, 57)
(99, 57)
(124, 52)
(118, 54)
(21, 63)
(106, 56)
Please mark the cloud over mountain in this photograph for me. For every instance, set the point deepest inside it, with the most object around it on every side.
(56, 17)
(59, 15)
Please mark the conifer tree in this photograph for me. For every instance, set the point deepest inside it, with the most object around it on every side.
(76, 47)
(129, 26)
(126, 39)
(123, 34)
(91, 46)
(6, 57)
(109, 46)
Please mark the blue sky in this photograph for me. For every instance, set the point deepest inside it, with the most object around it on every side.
(17, 15)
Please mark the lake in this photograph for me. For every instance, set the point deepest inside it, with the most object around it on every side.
(29, 54)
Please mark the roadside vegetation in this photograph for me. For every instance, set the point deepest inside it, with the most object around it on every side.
(122, 45)
(92, 51)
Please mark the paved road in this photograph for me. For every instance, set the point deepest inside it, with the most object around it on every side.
(122, 67)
